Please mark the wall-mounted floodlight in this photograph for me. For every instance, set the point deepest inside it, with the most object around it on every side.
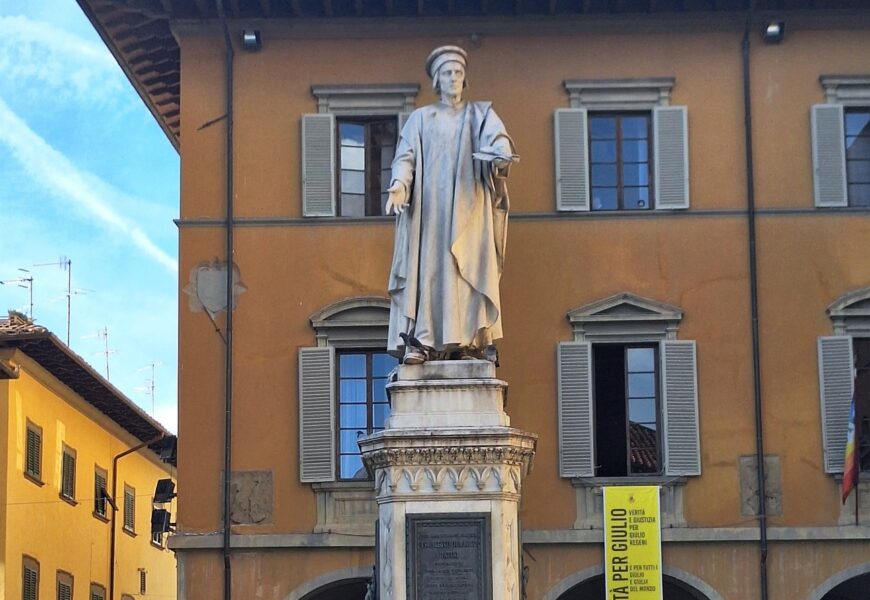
(251, 40)
(164, 492)
(160, 521)
(774, 31)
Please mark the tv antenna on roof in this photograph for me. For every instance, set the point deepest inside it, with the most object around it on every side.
(66, 265)
(103, 334)
(26, 282)
(150, 384)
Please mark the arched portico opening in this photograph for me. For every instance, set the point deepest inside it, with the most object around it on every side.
(850, 584)
(345, 590)
(593, 589)
(345, 584)
(589, 585)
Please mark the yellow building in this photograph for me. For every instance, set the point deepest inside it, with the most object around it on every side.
(72, 495)
(691, 214)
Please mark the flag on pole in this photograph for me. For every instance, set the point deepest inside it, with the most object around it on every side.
(850, 463)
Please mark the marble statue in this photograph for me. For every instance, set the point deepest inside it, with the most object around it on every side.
(449, 192)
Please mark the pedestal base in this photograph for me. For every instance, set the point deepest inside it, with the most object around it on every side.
(448, 486)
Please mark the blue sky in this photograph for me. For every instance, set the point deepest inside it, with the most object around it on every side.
(86, 173)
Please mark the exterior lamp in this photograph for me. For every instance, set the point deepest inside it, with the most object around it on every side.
(251, 40)
(774, 31)
(165, 491)
(160, 521)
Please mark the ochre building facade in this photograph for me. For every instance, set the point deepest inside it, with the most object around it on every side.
(666, 317)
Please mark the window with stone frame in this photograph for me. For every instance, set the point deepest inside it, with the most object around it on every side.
(348, 147)
(346, 371)
(362, 404)
(844, 376)
(621, 146)
(627, 404)
(840, 138)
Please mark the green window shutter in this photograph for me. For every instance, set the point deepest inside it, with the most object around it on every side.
(576, 440)
(100, 494)
(31, 583)
(671, 139)
(34, 452)
(829, 155)
(836, 385)
(316, 414)
(129, 509)
(64, 591)
(318, 165)
(68, 475)
(680, 407)
(572, 159)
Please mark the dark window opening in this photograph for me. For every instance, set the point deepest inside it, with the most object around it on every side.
(362, 404)
(862, 400)
(625, 384)
(365, 155)
(857, 129)
(620, 161)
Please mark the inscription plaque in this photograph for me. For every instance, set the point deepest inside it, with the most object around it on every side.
(449, 557)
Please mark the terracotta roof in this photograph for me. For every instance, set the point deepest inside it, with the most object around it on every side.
(138, 33)
(644, 450)
(54, 356)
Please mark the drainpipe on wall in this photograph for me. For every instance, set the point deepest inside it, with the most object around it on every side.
(230, 266)
(115, 507)
(753, 295)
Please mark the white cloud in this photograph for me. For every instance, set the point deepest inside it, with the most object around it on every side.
(55, 173)
(39, 56)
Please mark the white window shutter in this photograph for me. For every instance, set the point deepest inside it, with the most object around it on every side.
(680, 407)
(836, 384)
(576, 439)
(316, 414)
(671, 156)
(572, 159)
(829, 155)
(318, 165)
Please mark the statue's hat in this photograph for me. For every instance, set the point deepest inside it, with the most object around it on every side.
(443, 54)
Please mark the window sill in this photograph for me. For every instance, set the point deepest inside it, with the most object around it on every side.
(157, 546)
(69, 500)
(132, 533)
(99, 517)
(346, 507)
(589, 498)
(34, 479)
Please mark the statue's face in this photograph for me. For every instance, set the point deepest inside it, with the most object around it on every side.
(451, 78)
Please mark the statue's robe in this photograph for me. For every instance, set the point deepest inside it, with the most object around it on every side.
(450, 241)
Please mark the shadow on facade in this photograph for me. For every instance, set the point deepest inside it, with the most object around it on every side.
(857, 588)
(340, 590)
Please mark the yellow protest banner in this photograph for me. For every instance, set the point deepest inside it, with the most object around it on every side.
(632, 543)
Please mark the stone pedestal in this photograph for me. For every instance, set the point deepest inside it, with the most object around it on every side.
(448, 476)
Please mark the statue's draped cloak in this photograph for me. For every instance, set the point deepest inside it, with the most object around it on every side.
(450, 241)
